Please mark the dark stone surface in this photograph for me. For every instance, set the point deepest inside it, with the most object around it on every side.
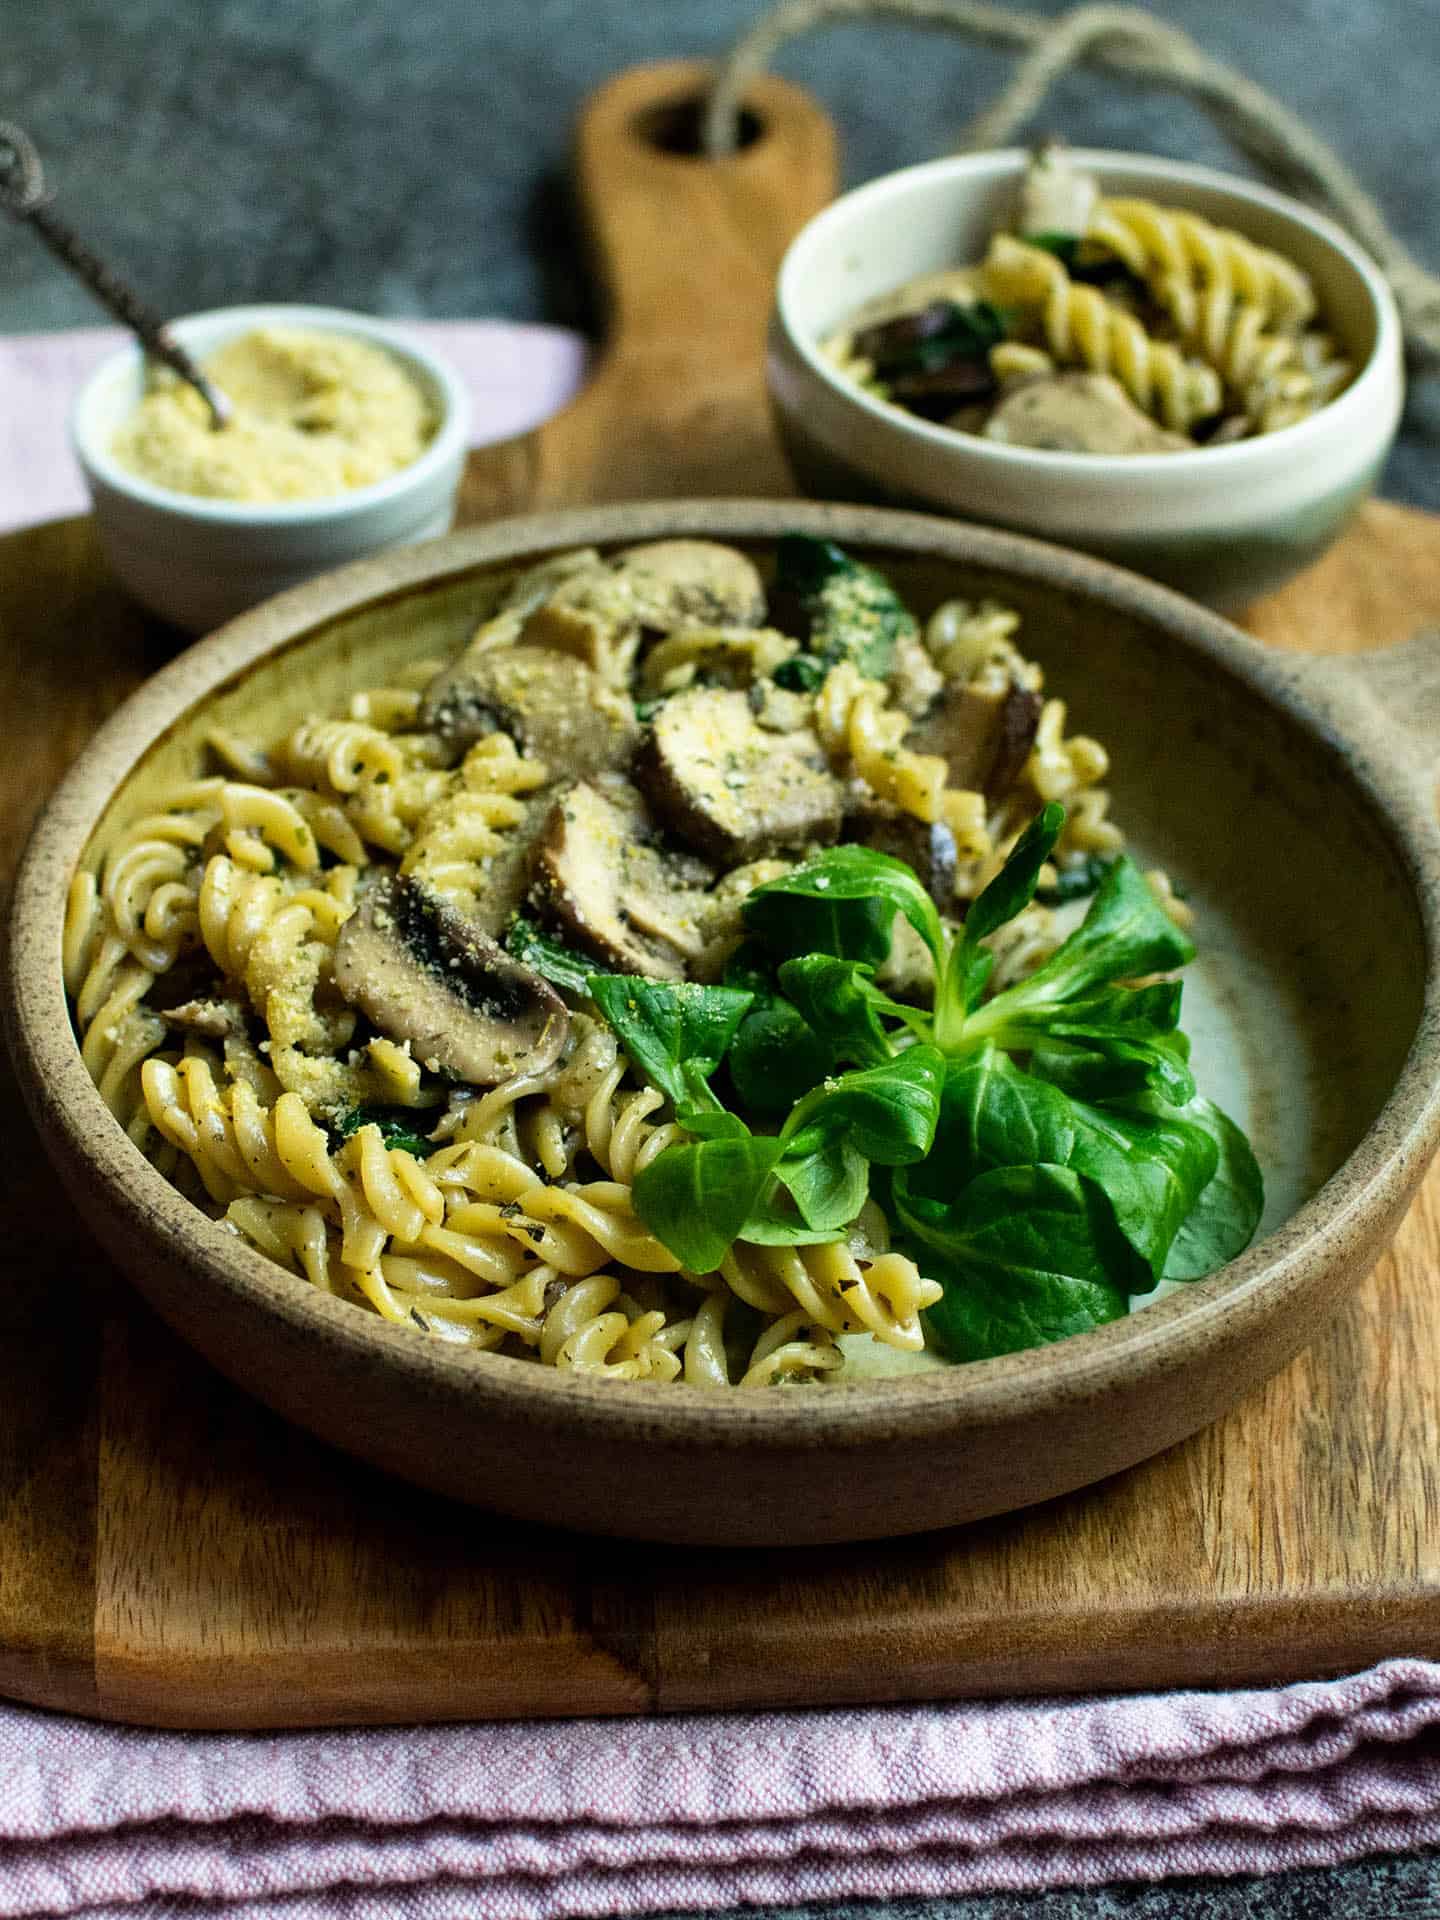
(407, 159)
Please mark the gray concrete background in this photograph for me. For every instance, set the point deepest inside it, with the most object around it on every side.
(406, 156)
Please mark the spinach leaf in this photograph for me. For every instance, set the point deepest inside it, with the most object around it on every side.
(1064, 246)
(1077, 881)
(396, 1124)
(939, 336)
(1149, 1161)
(676, 1035)
(851, 611)
(696, 1196)
(801, 673)
(843, 902)
(1025, 1255)
(550, 958)
(1224, 1219)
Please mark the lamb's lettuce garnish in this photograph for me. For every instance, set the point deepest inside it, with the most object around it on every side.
(700, 1196)
(1152, 1164)
(1026, 1255)
(675, 1035)
(1044, 1152)
(1223, 1220)
(843, 903)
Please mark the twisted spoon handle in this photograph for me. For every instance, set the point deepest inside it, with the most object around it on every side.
(24, 194)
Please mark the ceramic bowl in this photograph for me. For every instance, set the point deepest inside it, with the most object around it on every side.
(1290, 795)
(1224, 524)
(196, 561)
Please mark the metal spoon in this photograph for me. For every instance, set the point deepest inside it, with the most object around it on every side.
(24, 194)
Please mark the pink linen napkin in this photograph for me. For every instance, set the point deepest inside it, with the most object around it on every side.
(517, 376)
(516, 1822)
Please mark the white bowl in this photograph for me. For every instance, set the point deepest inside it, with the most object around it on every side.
(1223, 523)
(198, 561)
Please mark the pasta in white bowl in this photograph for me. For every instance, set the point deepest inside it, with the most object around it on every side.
(1099, 348)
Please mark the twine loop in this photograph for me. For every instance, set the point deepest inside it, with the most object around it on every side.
(1125, 40)
(22, 177)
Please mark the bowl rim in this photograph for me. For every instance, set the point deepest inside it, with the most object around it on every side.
(1151, 1344)
(447, 444)
(1354, 405)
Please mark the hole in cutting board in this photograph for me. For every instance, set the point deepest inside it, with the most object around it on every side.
(674, 127)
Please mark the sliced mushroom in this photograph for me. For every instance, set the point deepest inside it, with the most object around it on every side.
(548, 704)
(425, 974)
(215, 1019)
(600, 613)
(507, 873)
(685, 583)
(983, 733)
(926, 846)
(1019, 722)
(534, 586)
(1056, 197)
(597, 872)
(728, 788)
(1078, 413)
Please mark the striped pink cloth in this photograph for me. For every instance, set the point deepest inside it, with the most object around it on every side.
(513, 1822)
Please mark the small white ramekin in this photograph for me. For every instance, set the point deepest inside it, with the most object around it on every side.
(197, 561)
(1222, 523)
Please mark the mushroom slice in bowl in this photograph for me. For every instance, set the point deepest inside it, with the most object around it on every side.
(632, 906)
(552, 706)
(728, 788)
(426, 975)
(685, 583)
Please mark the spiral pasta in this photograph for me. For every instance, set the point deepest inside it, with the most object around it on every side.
(860, 729)
(205, 954)
(1169, 243)
(1109, 310)
(1083, 328)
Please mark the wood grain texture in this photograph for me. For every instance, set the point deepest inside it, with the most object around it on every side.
(169, 1552)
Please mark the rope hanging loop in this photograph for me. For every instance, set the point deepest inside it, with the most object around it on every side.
(1125, 40)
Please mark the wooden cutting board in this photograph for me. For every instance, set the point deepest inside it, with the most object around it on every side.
(171, 1553)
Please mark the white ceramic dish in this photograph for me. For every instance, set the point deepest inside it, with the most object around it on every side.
(1223, 523)
(199, 562)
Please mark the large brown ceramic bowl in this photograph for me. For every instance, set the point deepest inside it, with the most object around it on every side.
(1293, 796)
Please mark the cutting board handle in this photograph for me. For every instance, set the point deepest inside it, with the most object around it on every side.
(686, 250)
